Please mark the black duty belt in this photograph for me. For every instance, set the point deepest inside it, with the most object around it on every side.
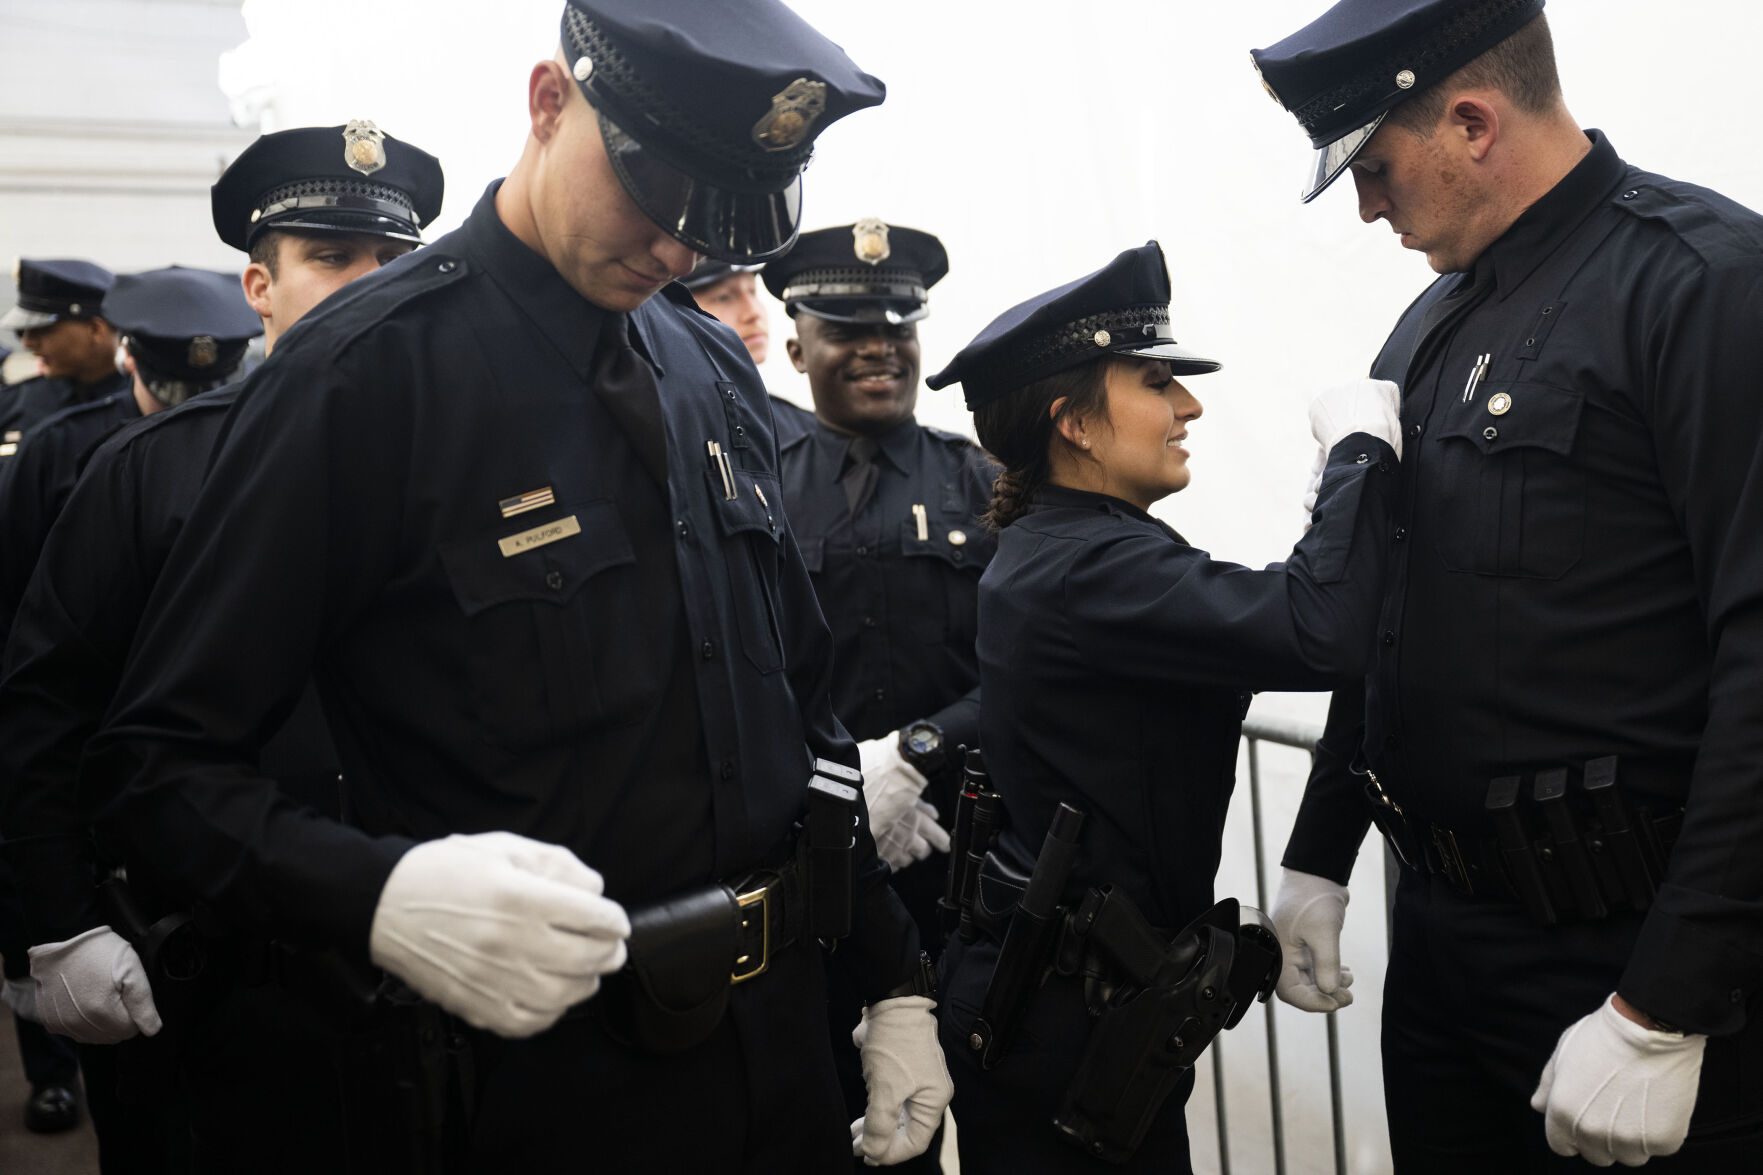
(1567, 846)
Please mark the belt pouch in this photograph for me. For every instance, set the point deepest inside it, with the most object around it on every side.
(672, 993)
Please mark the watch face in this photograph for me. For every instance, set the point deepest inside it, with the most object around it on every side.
(923, 741)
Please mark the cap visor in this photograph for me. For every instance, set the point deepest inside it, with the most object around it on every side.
(1333, 159)
(891, 312)
(369, 224)
(20, 319)
(1181, 360)
(715, 221)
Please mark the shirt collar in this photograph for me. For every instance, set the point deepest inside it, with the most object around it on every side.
(568, 320)
(1054, 497)
(1546, 225)
(895, 445)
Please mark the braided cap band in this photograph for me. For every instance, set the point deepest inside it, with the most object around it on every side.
(1133, 330)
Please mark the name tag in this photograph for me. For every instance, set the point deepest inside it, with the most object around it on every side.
(538, 536)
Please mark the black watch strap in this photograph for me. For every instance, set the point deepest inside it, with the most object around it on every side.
(923, 982)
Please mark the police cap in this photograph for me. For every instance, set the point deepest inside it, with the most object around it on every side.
(710, 111)
(49, 291)
(185, 325)
(353, 178)
(864, 272)
(1121, 309)
(710, 271)
(1343, 73)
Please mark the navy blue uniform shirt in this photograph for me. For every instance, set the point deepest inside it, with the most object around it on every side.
(903, 609)
(36, 400)
(1581, 574)
(1115, 660)
(424, 499)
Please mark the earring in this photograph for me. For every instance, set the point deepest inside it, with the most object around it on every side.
(1085, 444)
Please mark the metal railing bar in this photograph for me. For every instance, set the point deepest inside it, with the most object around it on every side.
(1275, 1103)
(1334, 1095)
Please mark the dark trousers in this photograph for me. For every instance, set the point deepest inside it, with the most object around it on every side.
(758, 1096)
(1476, 998)
(48, 1060)
(1004, 1116)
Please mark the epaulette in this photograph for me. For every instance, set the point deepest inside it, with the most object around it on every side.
(1711, 225)
(362, 305)
(959, 440)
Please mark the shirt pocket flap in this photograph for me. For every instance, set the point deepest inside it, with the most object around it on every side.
(755, 508)
(961, 545)
(1515, 414)
(557, 557)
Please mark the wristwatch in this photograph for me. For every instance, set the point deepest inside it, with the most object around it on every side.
(923, 982)
(921, 745)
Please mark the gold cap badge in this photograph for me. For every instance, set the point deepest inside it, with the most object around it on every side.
(793, 112)
(364, 146)
(1271, 92)
(1103, 338)
(869, 238)
(203, 351)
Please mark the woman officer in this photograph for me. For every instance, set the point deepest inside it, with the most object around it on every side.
(1116, 660)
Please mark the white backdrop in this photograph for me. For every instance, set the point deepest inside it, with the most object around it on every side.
(1037, 139)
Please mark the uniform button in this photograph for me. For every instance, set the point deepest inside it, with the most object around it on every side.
(1631, 193)
(554, 580)
(863, 550)
(728, 393)
(1363, 458)
(881, 695)
(1389, 636)
(740, 433)
(1413, 430)
(1383, 466)
(709, 650)
(684, 530)
(1401, 534)
(447, 266)
(1738, 996)
(1490, 433)
(869, 622)
(958, 555)
(728, 768)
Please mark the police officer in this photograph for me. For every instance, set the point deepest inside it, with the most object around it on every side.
(521, 517)
(1100, 631)
(729, 293)
(886, 511)
(73, 631)
(184, 331)
(1563, 706)
(59, 318)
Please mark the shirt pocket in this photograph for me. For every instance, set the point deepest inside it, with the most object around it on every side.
(942, 573)
(532, 610)
(750, 523)
(1511, 497)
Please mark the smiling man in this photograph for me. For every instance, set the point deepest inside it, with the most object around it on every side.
(887, 513)
(59, 318)
(1563, 730)
(520, 518)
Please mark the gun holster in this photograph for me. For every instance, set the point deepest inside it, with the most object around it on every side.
(1160, 1003)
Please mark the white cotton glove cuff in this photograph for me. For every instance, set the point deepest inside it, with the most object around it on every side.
(891, 786)
(1372, 406)
(1617, 1091)
(505, 932)
(913, 837)
(1308, 913)
(908, 1083)
(93, 988)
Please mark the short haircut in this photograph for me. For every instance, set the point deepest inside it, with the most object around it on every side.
(1522, 67)
(266, 251)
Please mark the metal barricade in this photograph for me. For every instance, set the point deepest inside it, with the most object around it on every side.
(1303, 736)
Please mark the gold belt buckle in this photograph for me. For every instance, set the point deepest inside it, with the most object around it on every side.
(759, 899)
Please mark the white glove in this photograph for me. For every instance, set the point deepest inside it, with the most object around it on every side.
(506, 933)
(891, 785)
(21, 996)
(1616, 1091)
(908, 1083)
(1315, 486)
(1308, 913)
(1365, 405)
(913, 837)
(93, 988)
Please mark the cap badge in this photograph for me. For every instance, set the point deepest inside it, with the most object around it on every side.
(793, 112)
(1405, 79)
(203, 351)
(870, 241)
(1271, 92)
(584, 68)
(1103, 338)
(364, 146)
(73, 308)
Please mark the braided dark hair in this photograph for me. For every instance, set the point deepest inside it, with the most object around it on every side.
(1017, 430)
